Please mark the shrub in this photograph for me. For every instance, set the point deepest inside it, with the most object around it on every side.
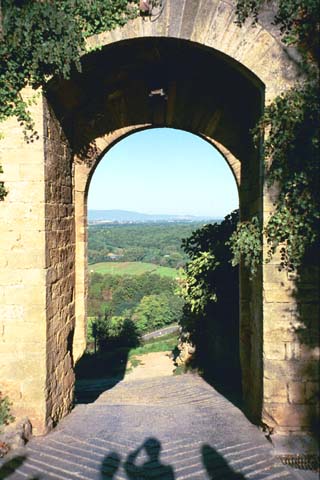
(5, 415)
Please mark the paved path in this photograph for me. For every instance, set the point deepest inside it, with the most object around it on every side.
(170, 428)
(160, 333)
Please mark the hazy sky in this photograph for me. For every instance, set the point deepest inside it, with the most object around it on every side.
(164, 171)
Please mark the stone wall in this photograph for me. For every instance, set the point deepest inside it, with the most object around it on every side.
(37, 276)
(60, 268)
(291, 343)
(23, 273)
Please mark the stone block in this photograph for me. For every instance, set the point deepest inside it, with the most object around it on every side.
(275, 390)
(292, 417)
(312, 392)
(272, 275)
(274, 350)
(297, 392)
(24, 294)
(278, 293)
(293, 370)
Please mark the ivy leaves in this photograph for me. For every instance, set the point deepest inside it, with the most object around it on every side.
(40, 39)
(289, 127)
(291, 149)
(196, 290)
(246, 243)
(298, 21)
(292, 154)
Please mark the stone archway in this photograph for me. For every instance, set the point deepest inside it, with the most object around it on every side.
(217, 79)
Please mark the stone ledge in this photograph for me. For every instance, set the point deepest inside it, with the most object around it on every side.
(15, 435)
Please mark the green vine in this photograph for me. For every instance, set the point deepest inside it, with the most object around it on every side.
(195, 289)
(290, 126)
(298, 21)
(245, 242)
(40, 39)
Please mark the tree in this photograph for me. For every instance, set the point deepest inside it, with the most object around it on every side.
(155, 311)
(210, 290)
(115, 331)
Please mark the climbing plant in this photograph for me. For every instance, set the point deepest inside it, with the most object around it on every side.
(289, 127)
(42, 38)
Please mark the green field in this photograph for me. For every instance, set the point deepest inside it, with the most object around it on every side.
(132, 268)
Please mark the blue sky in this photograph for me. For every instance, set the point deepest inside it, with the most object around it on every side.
(164, 171)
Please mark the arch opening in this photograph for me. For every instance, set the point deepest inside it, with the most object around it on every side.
(160, 171)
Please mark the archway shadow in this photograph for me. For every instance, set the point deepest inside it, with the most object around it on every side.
(217, 353)
(99, 372)
(144, 463)
(101, 369)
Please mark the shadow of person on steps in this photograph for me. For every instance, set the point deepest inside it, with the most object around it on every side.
(110, 466)
(151, 468)
(11, 466)
(217, 467)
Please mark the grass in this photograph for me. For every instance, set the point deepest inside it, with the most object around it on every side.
(162, 344)
(132, 268)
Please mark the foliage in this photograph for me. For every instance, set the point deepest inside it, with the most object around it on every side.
(115, 331)
(291, 149)
(124, 307)
(209, 270)
(162, 344)
(293, 146)
(208, 250)
(146, 298)
(156, 311)
(117, 294)
(298, 21)
(40, 39)
(5, 414)
(197, 290)
(158, 243)
(46, 38)
(245, 242)
(211, 292)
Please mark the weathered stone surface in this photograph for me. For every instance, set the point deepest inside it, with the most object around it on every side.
(17, 434)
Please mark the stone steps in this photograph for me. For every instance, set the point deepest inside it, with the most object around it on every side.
(184, 428)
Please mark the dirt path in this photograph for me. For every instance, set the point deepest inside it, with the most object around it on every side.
(157, 364)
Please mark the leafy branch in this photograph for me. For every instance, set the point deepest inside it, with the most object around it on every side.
(41, 39)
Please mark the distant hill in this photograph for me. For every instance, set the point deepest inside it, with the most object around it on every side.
(124, 216)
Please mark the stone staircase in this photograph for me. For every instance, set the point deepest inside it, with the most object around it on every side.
(170, 428)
